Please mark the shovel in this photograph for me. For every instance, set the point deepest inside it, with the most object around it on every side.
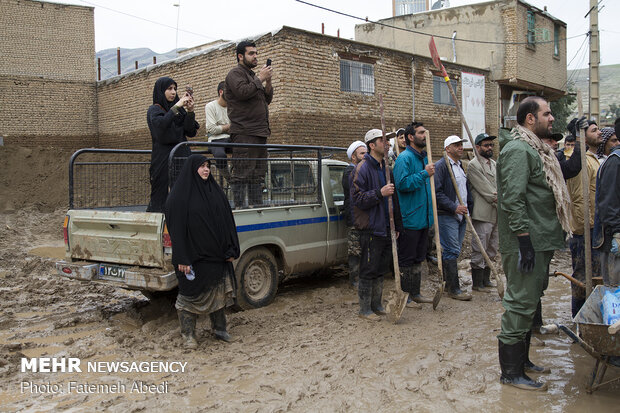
(439, 291)
(439, 66)
(398, 300)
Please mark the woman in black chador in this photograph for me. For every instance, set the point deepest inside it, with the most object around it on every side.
(204, 244)
(171, 120)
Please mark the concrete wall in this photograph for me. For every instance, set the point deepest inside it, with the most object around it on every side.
(498, 21)
(47, 74)
(308, 107)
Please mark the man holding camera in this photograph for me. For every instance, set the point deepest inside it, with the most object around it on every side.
(248, 96)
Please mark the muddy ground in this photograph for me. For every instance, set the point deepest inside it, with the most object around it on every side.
(308, 351)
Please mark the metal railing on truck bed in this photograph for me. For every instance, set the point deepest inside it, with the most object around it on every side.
(118, 179)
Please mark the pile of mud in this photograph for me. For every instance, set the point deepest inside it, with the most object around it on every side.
(36, 177)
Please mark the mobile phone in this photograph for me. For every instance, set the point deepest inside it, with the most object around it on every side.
(268, 62)
(190, 90)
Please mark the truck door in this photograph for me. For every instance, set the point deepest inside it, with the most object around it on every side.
(334, 201)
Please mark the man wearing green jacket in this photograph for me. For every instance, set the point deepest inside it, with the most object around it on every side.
(412, 174)
(533, 210)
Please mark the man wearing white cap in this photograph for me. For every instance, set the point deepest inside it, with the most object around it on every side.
(451, 214)
(369, 196)
(356, 153)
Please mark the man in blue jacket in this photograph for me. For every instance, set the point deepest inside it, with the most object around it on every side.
(369, 197)
(451, 214)
(412, 174)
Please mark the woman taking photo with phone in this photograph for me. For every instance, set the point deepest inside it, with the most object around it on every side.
(204, 245)
(171, 120)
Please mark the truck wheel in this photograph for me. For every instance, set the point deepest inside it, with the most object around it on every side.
(257, 279)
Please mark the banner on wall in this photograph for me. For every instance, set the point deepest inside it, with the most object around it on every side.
(472, 96)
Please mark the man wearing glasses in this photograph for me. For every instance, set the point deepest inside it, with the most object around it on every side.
(481, 176)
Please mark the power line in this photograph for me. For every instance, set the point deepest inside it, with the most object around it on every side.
(147, 20)
(426, 34)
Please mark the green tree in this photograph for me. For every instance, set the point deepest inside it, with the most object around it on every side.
(562, 110)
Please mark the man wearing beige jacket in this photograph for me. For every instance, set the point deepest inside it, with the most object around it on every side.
(481, 176)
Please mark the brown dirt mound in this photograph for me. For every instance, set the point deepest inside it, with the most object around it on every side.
(35, 177)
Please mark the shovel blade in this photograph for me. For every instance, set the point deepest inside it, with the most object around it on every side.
(438, 295)
(396, 305)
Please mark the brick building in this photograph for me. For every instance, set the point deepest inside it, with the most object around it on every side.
(531, 60)
(326, 91)
(47, 68)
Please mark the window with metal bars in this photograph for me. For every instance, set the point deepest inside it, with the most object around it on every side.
(357, 77)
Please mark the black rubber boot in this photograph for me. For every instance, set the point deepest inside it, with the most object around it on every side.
(416, 280)
(511, 361)
(486, 278)
(364, 292)
(406, 284)
(576, 304)
(451, 275)
(376, 303)
(528, 366)
(187, 321)
(218, 323)
(477, 278)
(354, 269)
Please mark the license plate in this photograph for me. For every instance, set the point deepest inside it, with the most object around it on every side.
(111, 271)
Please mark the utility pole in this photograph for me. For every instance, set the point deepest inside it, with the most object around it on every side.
(178, 6)
(595, 59)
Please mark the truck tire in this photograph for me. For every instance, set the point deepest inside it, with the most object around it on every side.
(257, 278)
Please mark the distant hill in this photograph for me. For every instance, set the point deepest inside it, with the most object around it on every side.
(144, 56)
(609, 87)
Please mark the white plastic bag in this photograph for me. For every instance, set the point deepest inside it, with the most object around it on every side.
(610, 306)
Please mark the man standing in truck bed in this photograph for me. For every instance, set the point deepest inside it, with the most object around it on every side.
(248, 96)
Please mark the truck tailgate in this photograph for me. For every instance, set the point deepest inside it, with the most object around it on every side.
(132, 238)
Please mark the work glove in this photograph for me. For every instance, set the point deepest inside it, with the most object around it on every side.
(615, 244)
(583, 122)
(527, 258)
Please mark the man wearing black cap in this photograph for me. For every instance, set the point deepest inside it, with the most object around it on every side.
(481, 177)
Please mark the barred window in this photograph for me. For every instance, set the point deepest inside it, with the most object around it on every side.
(441, 93)
(531, 28)
(357, 77)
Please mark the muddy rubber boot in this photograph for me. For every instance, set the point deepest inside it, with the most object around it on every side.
(406, 285)
(416, 280)
(218, 323)
(187, 321)
(537, 322)
(486, 278)
(451, 274)
(477, 277)
(376, 303)
(364, 291)
(511, 361)
(354, 270)
(528, 366)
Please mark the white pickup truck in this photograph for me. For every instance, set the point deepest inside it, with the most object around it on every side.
(110, 239)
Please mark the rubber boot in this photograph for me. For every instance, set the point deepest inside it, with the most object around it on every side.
(218, 323)
(406, 286)
(187, 321)
(486, 278)
(511, 361)
(477, 277)
(354, 270)
(376, 304)
(528, 366)
(451, 275)
(364, 291)
(416, 280)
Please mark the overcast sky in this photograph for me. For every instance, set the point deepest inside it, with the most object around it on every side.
(153, 23)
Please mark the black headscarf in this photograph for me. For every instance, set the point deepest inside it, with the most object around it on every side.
(201, 226)
(159, 95)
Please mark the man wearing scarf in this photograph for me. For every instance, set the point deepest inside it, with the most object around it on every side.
(533, 214)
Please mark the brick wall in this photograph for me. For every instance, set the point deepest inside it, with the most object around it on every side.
(47, 74)
(308, 107)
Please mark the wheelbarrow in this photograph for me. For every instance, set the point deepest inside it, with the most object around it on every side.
(600, 340)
